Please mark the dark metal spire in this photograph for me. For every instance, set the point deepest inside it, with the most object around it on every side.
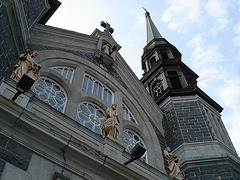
(152, 31)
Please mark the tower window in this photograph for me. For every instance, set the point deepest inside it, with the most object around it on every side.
(174, 79)
(164, 55)
(152, 62)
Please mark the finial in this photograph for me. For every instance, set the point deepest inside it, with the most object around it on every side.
(147, 13)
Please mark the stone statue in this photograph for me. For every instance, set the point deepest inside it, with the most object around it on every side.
(110, 126)
(26, 64)
(170, 164)
(106, 48)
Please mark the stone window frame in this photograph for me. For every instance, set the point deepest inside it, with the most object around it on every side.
(107, 94)
(65, 71)
(54, 91)
(130, 139)
(127, 114)
(91, 116)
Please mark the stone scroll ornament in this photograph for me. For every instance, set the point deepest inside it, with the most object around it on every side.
(170, 164)
(26, 64)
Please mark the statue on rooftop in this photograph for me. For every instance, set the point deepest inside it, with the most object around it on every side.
(106, 48)
(170, 164)
(26, 64)
(110, 126)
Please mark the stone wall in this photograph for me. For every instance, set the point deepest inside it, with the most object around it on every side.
(14, 154)
(34, 10)
(8, 51)
(185, 122)
(211, 173)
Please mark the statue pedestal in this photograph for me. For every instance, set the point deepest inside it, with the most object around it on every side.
(116, 140)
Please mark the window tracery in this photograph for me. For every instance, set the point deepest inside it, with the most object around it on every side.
(51, 92)
(90, 116)
(127, 114)
(130, 139)
(66, 72)
(94, 86)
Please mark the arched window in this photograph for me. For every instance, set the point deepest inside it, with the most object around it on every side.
(90, 116)
(127, 114)
(66, 72)
(130, 139)
(51, 92)
(94, 86)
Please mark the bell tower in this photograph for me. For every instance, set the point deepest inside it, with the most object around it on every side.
(164, 71)
(191, 119)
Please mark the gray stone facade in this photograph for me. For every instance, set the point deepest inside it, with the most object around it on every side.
(185, 122)
(14, 154)
(212, 172)
(37, 140)
(9, 54)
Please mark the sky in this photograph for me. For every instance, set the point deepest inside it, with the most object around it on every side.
(206, 32)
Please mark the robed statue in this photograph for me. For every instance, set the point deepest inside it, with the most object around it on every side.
(110, 126)
(170, 164)
(26, 64)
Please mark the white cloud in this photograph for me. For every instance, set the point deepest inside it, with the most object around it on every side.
(204, 54)
(236, 39)
(230, 96)
(181, 14)
(140, 23)
(216, 8)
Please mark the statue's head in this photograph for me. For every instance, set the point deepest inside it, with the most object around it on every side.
(114, 106)
(168, 149)
(34, 53)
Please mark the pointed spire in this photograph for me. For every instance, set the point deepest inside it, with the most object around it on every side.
(152, 31)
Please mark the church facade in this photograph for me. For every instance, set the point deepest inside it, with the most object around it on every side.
(54, 130)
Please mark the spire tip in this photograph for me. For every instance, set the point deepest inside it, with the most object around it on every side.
(147, 13)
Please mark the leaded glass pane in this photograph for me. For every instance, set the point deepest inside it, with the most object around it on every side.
(130, 139)
(66, 72)
(127, 114)
(90, 116)
(95, 87)
(51, 92)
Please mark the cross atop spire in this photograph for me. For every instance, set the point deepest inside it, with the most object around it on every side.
(152, 31)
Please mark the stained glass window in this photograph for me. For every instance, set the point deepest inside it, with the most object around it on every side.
(66, 72)
(51, 92)
(94, 86)
(130, 139)
(91, 116)
(127, 114)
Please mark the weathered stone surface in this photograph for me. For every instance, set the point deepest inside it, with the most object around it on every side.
(184, 122)
(14, 153)
(8, 51)
(212, 172)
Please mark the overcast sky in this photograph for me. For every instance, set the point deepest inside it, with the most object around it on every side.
(206, 32)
